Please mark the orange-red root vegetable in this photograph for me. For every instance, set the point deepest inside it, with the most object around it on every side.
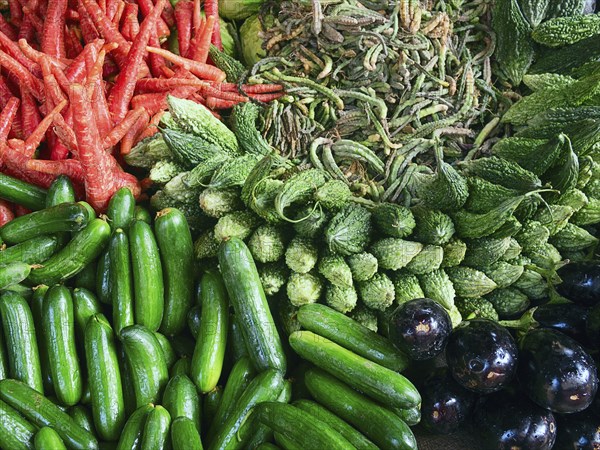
(7, 116)
(6, 212)
(134, 131)
(36, 136)
(69, 167)
(201, 70)
(147, 85)
(218, 103)
(12, 48)
(53, 42)
(184, 11)
(202, 41)
(121, 129)
(22, 74)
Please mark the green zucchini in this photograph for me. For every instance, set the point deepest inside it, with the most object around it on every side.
(377, 423)
(33, 251)
(103, 278)
(132, 432)
(71, 259)
(121, 280)
(48, 439)
(147, 276)
(22, 193)
(177, 256)
(182, 399)
(185, 435)
(42, 412)
(156, 429)
(104, 378)
(146, 359)
(21, 343)
(380, 383)
(60, 191)
(294, 424)
(64, 217)
(13, 273)
(83, 417)
(16, 433)
(207, 361)
(250, 305)
(58, 327)
(121, 209)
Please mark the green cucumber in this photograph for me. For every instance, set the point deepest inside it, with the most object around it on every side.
(209, 353)
(103, 278)
(132, 432)
(121, 208)
(126, 381)
(60, 191)
(21, 289)
(411, 416)
(71, 259)
(185, 435)
(182, 399)
(33, 251)
(16, 433)
(156, 430)
(36, 304)
(193, 321)
(167, 348)
(42, 412)
(294, 424)
(4, 371)
(377, 423)
(85, 305)
(181, 367)
(250, 305)
(21, 343)
(64, 217)
(141, 213)
(104, 378)
(177, 256)
(267, 446)
(87, 277)
(260, 432)
(235, 338)
(265, 387)
(13, 273)
(86, 396)
(91, 212)
(22, 193)
(287, 443)
(146, 359)
(83, 417)
(350, 334)
(380, 383)
(121, 280)
(355, 437)
(183, 345)
(48, 439)
(212, 400)
(59, 336)
(147, 276)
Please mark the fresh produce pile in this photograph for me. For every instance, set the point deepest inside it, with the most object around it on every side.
(379, 224)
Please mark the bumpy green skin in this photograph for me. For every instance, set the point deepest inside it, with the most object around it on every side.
(485, 195)
(503, 172)
(592, 189)
(406, 287)
(437, 286)
(378, 292)
(349, 230)
(535, 155)
(244, 115)
(365, 316)
(394, 220)
(589, 214)
(301, 255)
(164, 171)
(263, 200)
(532, 284)
(429, 259)
(299, 188)
(206, 246)
(538, 82)
(573, 238)
(335, 270)
(232, 172)
(448, 190)
(560, 31)
(219, 202)
(395, 253)
(534, 10)
(313, 224)
(333, 195)
(508, 302)
(267, 244)
(341, 298)
(513, 250)
(545, 256)
(469, 282)
(485, 251)
(555, 217)
(433, 227)
(454, 253)
(273, 277)
(303, 288)
(455, 316)
(471, 308)
(239, 224)
(532, 235)
(362, 265)
(148, 152)
(503, 273)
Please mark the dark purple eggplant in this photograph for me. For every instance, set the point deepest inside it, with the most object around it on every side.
(420, 328)
(445, 405)
(507, 422)
(481, 355)
(592, 327)
(580, 282)
(556, 372)
(578, 432)
(567, 318)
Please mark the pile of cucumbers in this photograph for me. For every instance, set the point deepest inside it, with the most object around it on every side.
(112, 337)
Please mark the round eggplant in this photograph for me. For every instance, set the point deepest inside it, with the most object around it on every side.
(510, 422)
(580, 282)
(420, 328)
(556, 372)
(445, 405)
(592, 327)
(481, 355)
(578, 432)
(567, 318)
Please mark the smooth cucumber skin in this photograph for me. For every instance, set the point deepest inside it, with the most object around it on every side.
(211, 403)
(181, 367)
(20, 337)
(22, 193)
(380, 425)
(121, 208)
(4, 371)
(13, 273)
(193, 321)
(104, 378)
(156, 429)
(176, 247)
(149, 372)
(260, 433)
(85, 305)
(60, 191)
(91, 212)
(59, 335)
(250, 305)
(185, 435)
(132, 432)
(126, 381)
(167, 348)
(71, 259)
(121, 280)
(33, 251)
(16, 433)
(48, 439)
(36, 304)
(103, 278)
(267, 446)
(141, 213)
(82, 417)
(147, 276)
(87, 277)
(209, 353)
(380, 383)
(42, 412)
(182, 399)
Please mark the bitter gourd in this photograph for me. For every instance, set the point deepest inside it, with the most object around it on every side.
(469, 282)
(560, 31)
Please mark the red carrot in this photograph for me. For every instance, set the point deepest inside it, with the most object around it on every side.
(22, 74)
(26, 30)
(134, 131)
(15, 161)
(167, 72)
(131, 25)
(12, 48)
(156, 102)
(211, 8)
(217, 103)
(146, 7)
(65, 133)
(72, 15)
(16, 12)
(266, 98)
(36, 21)
(152, 127)
(6, 212)
(30, 114)
(5, 93)
(111, 9)
(37, 56)
(197, 68)
(117, 133)
(249, 88)
(88, 29)
(197, 17)
(7, 28)
(209, 91)
(156, 62)
(36, 136)
(165, 84)
(202, 41)
(96, 92)
(21, 211)
(7, 116)
(184, 11)
(122, 92)
(73, 45)
(168, 15)
(116, 19)
(53, 42)
(76, 71)
(69, 167)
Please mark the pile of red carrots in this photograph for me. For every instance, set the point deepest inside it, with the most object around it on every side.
(82, 81)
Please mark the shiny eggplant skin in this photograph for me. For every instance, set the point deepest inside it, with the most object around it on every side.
(481, 355)
(580, 282)
(592, 328)
(578, 432)
(420, 328)
(556, 372)
(568, 318)
(508, 422)
(445, 405)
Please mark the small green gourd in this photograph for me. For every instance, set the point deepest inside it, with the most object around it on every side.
(393, 253)
(273, 276)
(341, 298)
(503, 273)
(469, 282)
(349, 231)
(429, 259)
(378, 292)
(476, 308)
(407, 287)
(437, 286)
(303, 288)
(267, 244)
(301, 255)
(219, 202)
(432, 226)
(362, 265)
(393, 220)
(485, 251)
(335, 270)
(454, 252)
(508, 302)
